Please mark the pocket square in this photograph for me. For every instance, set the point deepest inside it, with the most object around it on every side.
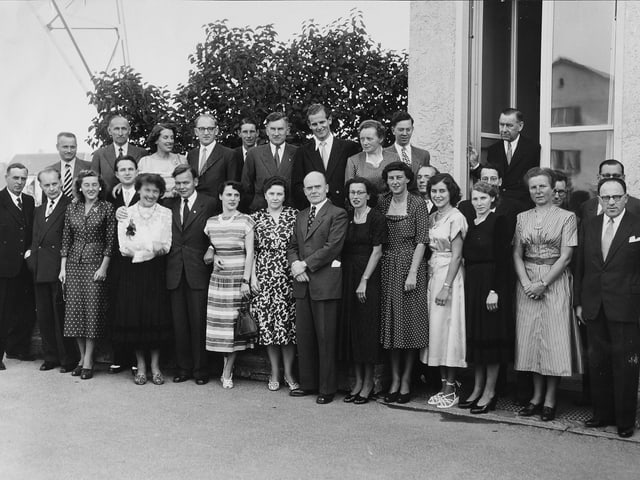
(634, 239)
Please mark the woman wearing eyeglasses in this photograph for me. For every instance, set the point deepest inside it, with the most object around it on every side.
(162, 160)
(546, 332)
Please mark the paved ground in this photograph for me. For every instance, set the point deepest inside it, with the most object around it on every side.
(56, 427)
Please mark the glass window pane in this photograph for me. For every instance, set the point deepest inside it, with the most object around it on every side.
(578, 156)
(582, 63)
(496, 56)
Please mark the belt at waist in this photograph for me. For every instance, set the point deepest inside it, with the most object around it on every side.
(541, 261)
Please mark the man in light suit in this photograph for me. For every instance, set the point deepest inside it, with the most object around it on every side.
(326, 154)
(17, 308)
(608, 169)
(248, 133)
(265, 161)
(402, 128)
(607, 299)
(44, 262)
(514, 155)
(188, 275)
(213, 162)
(314, 256)
(69, 165)
(103, 161)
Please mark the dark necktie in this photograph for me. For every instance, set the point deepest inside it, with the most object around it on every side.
(276, 157)
(185, 212)
(312, 216)
(19, 203)
(121, 153)
(49, 210)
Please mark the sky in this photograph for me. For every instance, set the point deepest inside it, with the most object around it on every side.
(43, 86)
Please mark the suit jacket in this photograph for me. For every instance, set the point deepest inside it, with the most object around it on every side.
(589, 208)
(526, 156)
(44, 261)
(220, 167)
(239, 156)
(320, 248)
(259, 166)
(189, 244)
(15, 233)
(80, 165)
(614, 282)
(103, 162)
(419, 157)
(307, 159)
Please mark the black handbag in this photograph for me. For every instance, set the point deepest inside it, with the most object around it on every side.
(246, 327)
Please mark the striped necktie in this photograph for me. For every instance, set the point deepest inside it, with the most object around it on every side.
(67, 181)
(312, 216)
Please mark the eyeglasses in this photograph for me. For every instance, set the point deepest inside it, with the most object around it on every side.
(611, 175)
(559, 192)
(206, 129)
(608, 198)
(358, 193)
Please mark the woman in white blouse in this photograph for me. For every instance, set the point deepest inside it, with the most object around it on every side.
(142, 318)
(162, 159)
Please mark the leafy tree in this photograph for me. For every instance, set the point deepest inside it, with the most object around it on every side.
(123, 92)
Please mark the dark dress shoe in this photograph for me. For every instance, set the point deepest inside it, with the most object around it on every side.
(469, 403)
(86, 374)
(2, 367)
(202, 381)
(350, 397)
(625, 432)
(67, 368)
(48, 366)
(77, 371)
(404, 398)
(324, 399)
(595, 422)
(181, 378)
(548, 414)
(530, 410)
(482, 409)
(391, 397)
(299, 392)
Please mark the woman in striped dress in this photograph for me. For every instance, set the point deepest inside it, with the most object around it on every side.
(231, 235)
(542, 247)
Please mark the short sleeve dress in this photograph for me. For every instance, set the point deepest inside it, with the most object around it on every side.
(546, 331)
(447, 333)
(359, 328)
(224, 297)
(404, 321)
(274, 308)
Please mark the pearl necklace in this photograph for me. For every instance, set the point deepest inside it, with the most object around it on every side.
(151, 209)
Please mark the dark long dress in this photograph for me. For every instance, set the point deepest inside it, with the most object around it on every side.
(486, 253)
(359, 332)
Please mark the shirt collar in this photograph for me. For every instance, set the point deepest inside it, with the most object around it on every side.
(191, 199)
(320, 205)
(616, 220)
(72, 165)
(209, 148)
(14, 197)
(273, 149)
(124, 147)
(514, 144)
(400, 147)
(328, 141)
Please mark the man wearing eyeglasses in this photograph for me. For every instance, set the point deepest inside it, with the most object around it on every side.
(560, 190)
(608, 169)
(607, 300)
(214, 163)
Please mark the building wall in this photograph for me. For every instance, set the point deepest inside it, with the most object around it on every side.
(432, 79)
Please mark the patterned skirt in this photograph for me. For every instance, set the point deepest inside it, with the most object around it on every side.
(86, 302)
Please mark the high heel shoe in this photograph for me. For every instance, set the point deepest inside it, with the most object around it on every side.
(350, 397)
(450, 399)
(469, 403)
(292, 385)
(481, 409)
(86, 374)
(392, 397)
(227, 382)
(76, 372)
(548, 414)
(530, 410)
(404, 397)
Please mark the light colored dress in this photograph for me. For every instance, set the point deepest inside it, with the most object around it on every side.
(447, 331)
(546, 331)
(163, 167)
(224, 298)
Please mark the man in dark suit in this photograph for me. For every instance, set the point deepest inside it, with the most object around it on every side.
(326, 154)
(402, 128)
(514, 155)
(17, 312)
(103, 161)
(44, 262)
(265, 161)
(248, 133)
(188, 275)
(607, 299)
(314, 256)
(214, 163)
(608, 169)
(69, 165)
(126, 171)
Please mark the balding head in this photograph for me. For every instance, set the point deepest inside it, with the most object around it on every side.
(315, 187)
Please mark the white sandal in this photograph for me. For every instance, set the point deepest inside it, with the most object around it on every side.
(273, 385)
(227, 382)
(450, 399)
(292, 385)
(435, 399)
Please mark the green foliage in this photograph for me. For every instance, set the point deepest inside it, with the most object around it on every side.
(237, 72)
(123, 92)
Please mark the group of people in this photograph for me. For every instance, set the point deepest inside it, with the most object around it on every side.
(340, 252)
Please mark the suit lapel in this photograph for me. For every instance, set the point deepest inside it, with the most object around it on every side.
(110, 157)
(268, 161)
(57, 212)
(12, 209)
(195, 211)
(333, 155)
(175, 211)
(285, 162)
(620, 238)
(213, 158)
(316, 221)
